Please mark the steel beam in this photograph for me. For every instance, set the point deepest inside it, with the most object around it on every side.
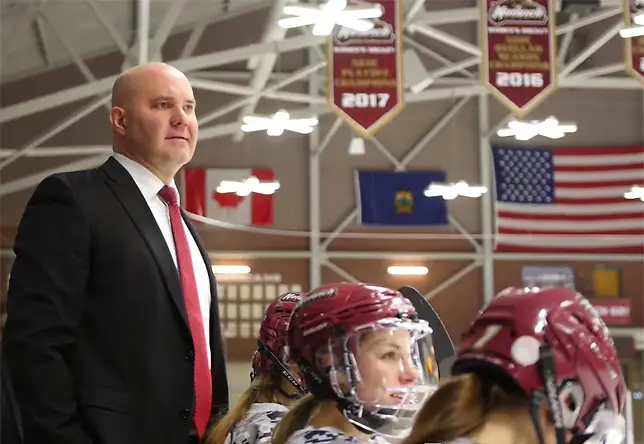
(56, 129)
(569, 257)
(143, 29)
(566, 41)
(397, 255)
(104, 85)
(119, 41)
(453, 279)
(581, 82)
(234, 88)
(340, 272)
(76, 58)
(394, 255)
(272, 31)
(24, 183)
(485, 174)
(589, 19)
(228, 129)
(448, 16)
(166, 26)
(446, 38)
(41, 40)
(485, 178)
(591, 49)
(598, 71)
(60, 151)
(301, 73)
(314, 148)
(408, 41)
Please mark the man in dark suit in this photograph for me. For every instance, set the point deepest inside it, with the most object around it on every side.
(113, 332)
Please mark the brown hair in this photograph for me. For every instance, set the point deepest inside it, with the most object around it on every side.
(262, 389)
(295, 419)
(460, 407)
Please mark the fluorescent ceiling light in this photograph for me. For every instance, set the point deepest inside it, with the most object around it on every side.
(276, 124)
(334, 12)
(400, 270)
(230, 269)
(356, 146)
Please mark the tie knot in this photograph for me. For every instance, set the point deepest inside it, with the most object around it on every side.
(169, 195)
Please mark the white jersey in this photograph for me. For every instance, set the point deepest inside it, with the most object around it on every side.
(256, 427)
(329, 435)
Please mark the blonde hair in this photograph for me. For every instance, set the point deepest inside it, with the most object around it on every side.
(262, 389)
(461, 407)
(295, 419)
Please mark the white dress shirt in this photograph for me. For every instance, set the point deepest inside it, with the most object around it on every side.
(150, 185)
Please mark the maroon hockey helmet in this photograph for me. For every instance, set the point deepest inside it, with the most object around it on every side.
(329, 330)
(555, 347)
(272, 352)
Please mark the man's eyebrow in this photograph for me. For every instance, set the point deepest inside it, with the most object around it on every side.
(172, 99)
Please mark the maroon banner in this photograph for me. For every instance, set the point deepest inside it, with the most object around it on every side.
(519, 58)
(634, 46)
(613, 311)
(364, 70)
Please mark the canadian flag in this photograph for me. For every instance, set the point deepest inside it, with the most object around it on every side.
(202, 198)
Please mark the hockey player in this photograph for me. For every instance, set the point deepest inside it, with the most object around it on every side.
(367, 360)
(535, 367)
(275, 382)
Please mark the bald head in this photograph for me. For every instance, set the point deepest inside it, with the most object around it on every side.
(129, 82)
(153, 118)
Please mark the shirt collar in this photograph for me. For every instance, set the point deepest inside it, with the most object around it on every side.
(148, 183)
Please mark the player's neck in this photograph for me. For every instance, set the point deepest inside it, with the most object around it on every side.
(505, 428)
(329, 416)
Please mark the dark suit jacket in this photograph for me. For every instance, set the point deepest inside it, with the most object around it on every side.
(97, 338)
(10, 432)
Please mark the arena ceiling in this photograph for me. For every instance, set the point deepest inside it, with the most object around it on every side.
(42, 35)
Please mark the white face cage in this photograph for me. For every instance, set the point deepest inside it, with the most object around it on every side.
(384, 371)
(606, 426)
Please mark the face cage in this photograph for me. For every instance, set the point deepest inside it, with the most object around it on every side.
(605, 426)
(392, 420)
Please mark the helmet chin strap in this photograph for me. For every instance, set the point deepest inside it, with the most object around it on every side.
(547, 372)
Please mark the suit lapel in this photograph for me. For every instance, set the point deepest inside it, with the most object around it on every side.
(134, 203)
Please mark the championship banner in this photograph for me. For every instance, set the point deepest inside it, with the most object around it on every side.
(634, 46)
(518, 54)
(364, 70)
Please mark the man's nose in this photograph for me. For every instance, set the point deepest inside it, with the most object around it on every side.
(179, 118)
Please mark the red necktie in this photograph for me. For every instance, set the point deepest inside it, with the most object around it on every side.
(203, 379)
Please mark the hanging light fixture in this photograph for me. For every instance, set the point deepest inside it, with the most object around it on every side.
(526, 130)
(450, 191)
(634, 31)
(248, 186)
(636, 192)
(334, 12)
(276, 124)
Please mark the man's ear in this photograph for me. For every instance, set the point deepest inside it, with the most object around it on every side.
(117, 119)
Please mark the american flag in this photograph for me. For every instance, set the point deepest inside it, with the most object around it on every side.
(568, 200)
